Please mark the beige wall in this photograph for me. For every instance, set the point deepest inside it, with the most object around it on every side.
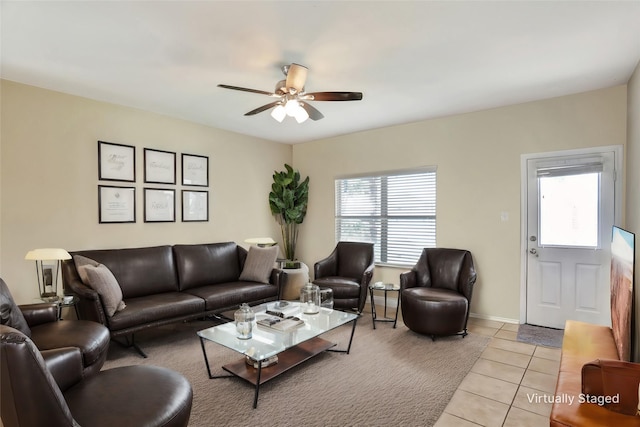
(49, 179)
(632, 222)
(478, 161)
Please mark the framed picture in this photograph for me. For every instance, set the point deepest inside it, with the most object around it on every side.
(116, 162)
(622, 269)
(116, 204)
(195, 206)
(195, 170)
(159, 166)
(159, 205)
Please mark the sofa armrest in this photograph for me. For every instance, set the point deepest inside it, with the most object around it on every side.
(468, 276)
(89, 305)
(367, 276)
(37, 314)
(613, 384)
(65, 365)
(276, 279)
(407, 280)
(327, 266)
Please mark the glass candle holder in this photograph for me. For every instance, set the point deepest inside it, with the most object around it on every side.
(326, 298)
(310, 299)
(244, 318)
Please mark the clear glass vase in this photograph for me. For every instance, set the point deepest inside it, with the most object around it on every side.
(326, 298)
(244, 318)
(310, 299)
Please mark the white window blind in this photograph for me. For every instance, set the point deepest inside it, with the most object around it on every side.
(396, 212)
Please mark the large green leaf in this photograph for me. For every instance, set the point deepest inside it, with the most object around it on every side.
(288, 201)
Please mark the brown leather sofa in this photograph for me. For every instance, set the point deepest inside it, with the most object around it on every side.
(55, 393)
(168, 284)
(40, 323)
(436, 293)
(588, 369)
(347, 271)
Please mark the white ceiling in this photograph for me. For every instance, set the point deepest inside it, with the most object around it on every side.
(413, 60)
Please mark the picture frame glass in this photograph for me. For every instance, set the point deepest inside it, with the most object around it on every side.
(159, 205)
(159, 166)
(116, 204)
(195, 170)
(195, 206)
(116, 162)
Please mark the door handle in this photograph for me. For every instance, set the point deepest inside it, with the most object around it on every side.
(533, 251)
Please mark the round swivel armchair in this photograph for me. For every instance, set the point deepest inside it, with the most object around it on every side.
(436, 293)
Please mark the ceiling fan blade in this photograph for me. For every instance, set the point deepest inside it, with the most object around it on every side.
(263, 108)
(296, 77)
(244, 89)
(313, 113)
(335, 96)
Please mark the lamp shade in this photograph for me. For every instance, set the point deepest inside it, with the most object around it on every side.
(296, 76)
(261, 241)
(46, 254)
(279, 113)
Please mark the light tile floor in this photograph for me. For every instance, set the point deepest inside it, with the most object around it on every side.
(503, 385)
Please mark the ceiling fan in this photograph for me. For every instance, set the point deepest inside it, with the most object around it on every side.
(292, 99)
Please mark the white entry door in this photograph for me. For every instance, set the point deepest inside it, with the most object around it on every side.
(570, 212)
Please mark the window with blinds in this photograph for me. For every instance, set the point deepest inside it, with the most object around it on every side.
(395, 211)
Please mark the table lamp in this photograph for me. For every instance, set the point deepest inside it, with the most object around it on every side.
(48, 272)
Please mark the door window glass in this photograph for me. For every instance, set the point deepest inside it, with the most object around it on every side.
(569, 210)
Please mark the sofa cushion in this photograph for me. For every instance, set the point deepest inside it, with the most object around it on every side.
(99, 278)
(207, 264)
(224, 296)
(152, 309)
(139, 271)
(90, 337)
(10, 313)
(259, 263)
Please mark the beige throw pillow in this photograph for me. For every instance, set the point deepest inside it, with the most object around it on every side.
(259, 263)
(99, 278)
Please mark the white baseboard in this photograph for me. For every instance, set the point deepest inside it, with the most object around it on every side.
(392, 303)
(496, 318)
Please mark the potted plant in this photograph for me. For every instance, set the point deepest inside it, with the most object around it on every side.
(288, 201)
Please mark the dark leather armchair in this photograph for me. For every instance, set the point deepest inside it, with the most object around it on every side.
(347, 271)
(36, 393)
(40, 323)
(436, 293)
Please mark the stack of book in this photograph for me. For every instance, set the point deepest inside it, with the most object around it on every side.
(267, 362)
(282, 309)
(281, 324)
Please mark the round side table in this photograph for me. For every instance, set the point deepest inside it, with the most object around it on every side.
(295, 280)
(386, 288)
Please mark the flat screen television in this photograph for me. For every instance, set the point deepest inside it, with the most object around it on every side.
(622, 274)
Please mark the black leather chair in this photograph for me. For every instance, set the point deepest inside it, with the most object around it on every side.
(40, 323)
(36, 393)
(436, 293)
(347, 271)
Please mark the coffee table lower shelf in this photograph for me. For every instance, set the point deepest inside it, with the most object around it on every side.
(288, 359)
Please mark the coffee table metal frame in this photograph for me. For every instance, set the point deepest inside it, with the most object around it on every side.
(292, 348)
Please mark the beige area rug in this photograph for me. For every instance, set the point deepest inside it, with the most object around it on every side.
(391, 377)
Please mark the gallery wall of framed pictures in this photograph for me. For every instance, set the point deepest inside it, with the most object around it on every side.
(117, 200)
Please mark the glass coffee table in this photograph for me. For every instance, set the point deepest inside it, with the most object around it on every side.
(291, 347)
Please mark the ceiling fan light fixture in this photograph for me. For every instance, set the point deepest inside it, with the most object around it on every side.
(301, 114)
(296, 77)
(291, 95)
(279, 113)
(292, 106)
